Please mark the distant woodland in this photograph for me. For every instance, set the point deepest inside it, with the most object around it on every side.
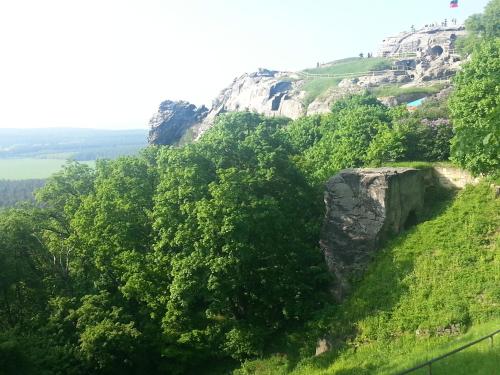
(13, 191)
(204, 259)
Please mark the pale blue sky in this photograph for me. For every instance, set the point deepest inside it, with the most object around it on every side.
(109, 63)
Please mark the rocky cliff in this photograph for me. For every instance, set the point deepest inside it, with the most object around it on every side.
(269, 92)
(173, 120)
(417, 58)
(363, 206)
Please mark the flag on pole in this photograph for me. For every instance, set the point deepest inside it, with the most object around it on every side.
(454, 4)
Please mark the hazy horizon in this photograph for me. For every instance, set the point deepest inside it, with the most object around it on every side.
(108, 65)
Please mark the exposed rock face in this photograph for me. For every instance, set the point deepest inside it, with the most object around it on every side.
(420, 56)
(268, 92)
(172, 121)
(429, 52)
(431, 40)
(363, 206)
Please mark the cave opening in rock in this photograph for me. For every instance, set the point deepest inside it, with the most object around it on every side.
(411, 220)
(437, 51)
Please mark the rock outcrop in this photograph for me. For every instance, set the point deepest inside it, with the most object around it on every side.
(364, 206)
(268, 92)
(173, 120)
(418, 57)
(431, 40)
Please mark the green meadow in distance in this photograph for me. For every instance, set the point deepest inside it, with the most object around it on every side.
(27, 168)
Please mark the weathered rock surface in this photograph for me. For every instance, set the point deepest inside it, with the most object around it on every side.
(363, 206)
(173, 120)
(419, 57)
(431, 40)
(453, 178)
(268, 92)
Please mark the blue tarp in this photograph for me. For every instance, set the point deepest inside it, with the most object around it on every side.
(416, 103)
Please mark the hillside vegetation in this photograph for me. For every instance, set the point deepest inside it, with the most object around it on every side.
(204, 259)
(442, 274)
(352, 65)
(13, 191)
(317, 86)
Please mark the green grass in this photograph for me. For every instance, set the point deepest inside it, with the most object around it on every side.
(406, 352)
(353, 65)
(28, 168)
(317, 86)
(395, 90)
(444, 271)
(418, 164)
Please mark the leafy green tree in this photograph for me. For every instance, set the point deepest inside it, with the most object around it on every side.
(236, 239)
(481, 27)
(346, 134)
(25, 264)
(304, 132)
(474, 108)
(112, 225)
(387, 145)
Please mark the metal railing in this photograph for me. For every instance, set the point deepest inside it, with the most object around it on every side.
(395, 70)
(428, 364)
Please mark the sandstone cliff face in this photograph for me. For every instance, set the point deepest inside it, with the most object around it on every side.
(420, 56)
(268, 92)
(363, 206)
(173, 120)
(430, 40)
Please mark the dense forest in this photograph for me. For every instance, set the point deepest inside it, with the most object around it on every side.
(195, 259)
(14, 191)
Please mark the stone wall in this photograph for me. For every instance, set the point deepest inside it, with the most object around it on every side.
(453, 178)
(363, 206)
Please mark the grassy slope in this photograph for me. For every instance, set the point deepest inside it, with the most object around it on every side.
(352, 65)
(318, 86)
(395, 90)
(444, 271)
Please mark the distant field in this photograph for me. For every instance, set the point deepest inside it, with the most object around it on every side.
(70, 143)
(28, 168)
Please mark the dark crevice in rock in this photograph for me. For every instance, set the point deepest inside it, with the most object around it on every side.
(275, 105)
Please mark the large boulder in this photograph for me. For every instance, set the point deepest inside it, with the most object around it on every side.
(363, 207)
(172, 121)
